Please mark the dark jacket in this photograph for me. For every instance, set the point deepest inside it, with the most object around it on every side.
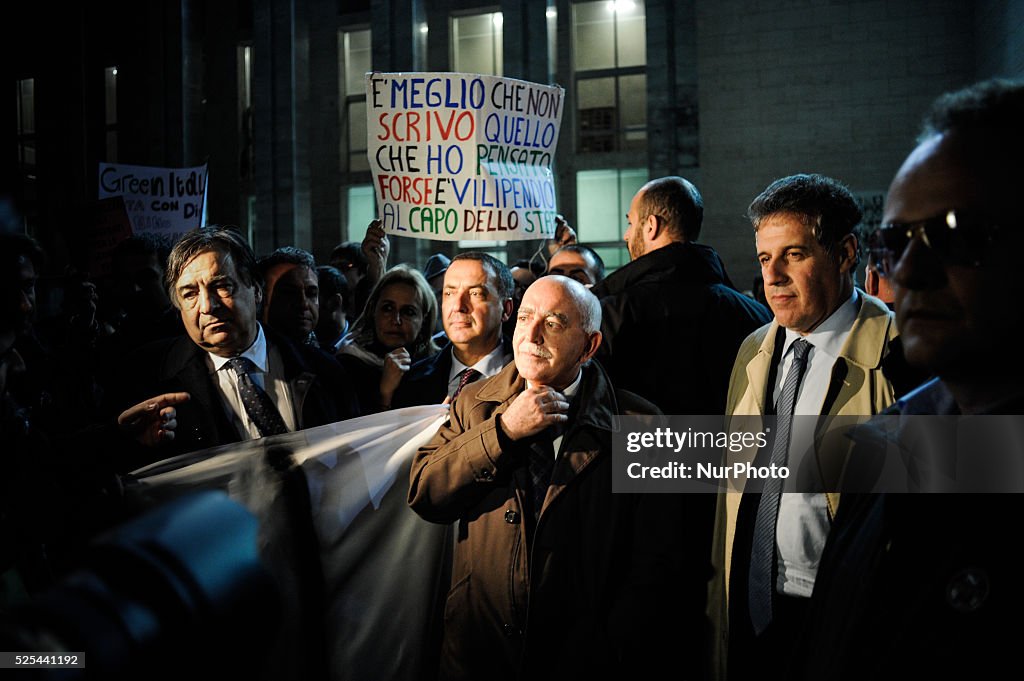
(605, 584)
(919, 585)
(365, 381)
(322, 392)
(427, 380)
(365, 366)
(672, 323)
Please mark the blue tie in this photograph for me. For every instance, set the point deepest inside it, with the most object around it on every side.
(762, 553)
(257, 403)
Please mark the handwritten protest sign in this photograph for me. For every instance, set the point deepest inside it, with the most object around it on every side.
(460, 156)
(161, 202)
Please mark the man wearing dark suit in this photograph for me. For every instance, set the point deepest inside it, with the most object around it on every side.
(214, 282)
(475, 300)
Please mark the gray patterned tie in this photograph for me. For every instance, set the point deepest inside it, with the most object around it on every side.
(257, 403)
(542, 465)
(762, 553)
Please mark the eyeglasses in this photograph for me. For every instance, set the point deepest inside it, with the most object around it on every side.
(957, 237)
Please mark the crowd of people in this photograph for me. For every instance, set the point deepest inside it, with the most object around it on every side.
(553, 574)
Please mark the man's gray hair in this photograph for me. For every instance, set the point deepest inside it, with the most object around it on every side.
(226, 240)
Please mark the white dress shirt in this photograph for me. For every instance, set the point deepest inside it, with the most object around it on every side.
(269, 376)
(803, 523)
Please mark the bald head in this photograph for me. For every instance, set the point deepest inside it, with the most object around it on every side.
(556, 331)
(664, 211)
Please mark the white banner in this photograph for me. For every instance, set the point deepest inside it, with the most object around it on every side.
(459, 156)
(384, 567)
(163, 203)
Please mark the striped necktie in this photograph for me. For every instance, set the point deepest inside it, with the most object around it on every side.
(762, 555)
(467, 377)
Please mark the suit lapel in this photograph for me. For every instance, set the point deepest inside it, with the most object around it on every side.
(186, 367)
(300, 378)
(758, 371)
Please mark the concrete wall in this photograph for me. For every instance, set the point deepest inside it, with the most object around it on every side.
(999, 27)
(831, 87)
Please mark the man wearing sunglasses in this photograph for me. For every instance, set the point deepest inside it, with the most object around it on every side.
(928, 585)
(821, 356)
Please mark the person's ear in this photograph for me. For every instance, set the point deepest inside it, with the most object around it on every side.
(847, 253)
(651, 227)
(871, 282)
(593, 343)
(507, 308)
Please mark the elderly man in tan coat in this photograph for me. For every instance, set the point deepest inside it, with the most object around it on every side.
(821, 356)
(554, 576)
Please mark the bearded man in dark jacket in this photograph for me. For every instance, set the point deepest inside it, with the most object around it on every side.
(672, 319)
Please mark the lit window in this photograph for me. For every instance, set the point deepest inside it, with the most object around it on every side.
(551, 15)
(602, 201)
(593, 36)
(246, 146)
(361, 208)
(476, 43)
(609, 53)
(110, 111)
(356, 61)
(246, 139)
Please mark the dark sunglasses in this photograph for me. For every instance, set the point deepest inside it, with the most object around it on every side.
(957, 237)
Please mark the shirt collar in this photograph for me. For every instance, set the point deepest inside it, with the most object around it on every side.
(573, 388)
(829, 336)
(256, 353)
(487, 366)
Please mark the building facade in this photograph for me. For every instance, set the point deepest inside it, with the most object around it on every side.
(270, 94)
